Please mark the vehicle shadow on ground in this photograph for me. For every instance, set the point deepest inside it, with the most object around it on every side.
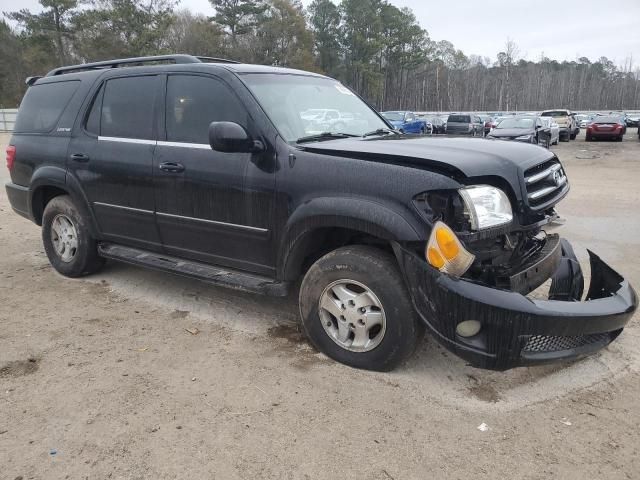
(432, 369)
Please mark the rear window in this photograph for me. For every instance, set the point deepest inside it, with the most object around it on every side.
(43, 105)
(555, 113)
(607, 120)
(459, 119)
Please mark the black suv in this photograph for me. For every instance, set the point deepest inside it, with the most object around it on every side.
(208, 168)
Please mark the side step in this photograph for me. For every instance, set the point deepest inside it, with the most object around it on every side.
(201, 271)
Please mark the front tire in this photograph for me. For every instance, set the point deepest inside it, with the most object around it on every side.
(67, 240)
(355, 309)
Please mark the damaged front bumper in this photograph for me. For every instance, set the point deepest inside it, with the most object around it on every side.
(517, 330)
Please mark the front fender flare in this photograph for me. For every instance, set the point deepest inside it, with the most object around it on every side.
(392, 223)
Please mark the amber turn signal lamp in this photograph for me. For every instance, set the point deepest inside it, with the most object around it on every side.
(446, 253)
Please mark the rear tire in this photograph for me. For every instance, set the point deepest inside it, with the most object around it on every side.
(387, 333)
(67, 240)
(587, 138)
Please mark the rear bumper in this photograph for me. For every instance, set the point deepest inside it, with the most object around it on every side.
(517, 330)
(611, 134)
(19, 199)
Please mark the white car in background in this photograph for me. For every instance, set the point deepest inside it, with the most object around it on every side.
(549, 123)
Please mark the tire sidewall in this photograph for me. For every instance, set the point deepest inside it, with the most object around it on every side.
(86, 251)
(402, 330)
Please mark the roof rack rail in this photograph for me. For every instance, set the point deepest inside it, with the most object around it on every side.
(215, 60)
(179, 58)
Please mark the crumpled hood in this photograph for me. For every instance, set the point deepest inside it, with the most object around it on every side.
(458, 157)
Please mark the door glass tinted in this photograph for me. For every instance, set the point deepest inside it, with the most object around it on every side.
(93, 119)
(43, 105)
(127, 107)
(194, 102)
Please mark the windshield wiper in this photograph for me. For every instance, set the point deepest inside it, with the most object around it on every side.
(325, 136)
(380, 131)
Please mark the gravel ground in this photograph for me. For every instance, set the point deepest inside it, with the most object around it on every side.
(104, 378)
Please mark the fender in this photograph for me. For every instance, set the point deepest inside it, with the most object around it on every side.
(392, 223)
(53, 176)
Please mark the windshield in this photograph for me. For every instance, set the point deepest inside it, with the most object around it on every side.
(289, 99)
(555, 113)
(516, 123)
(393, 116)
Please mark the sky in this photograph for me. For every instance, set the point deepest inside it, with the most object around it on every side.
(559, 30)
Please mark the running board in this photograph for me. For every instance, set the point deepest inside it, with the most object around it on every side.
(201, 271)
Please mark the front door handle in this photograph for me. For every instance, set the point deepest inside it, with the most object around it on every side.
(79, 157)
(172, 167)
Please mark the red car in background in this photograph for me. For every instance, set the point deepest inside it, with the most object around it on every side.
(605, 127)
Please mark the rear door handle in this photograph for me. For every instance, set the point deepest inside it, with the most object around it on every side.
(172, 167)
(79, 157)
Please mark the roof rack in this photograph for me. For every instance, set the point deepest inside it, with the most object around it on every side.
(180, 58)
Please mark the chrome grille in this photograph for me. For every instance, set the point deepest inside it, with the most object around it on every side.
(546, 184)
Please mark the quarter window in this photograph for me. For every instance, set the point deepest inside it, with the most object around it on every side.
(43, 105)
(193, 102)
(127, 107)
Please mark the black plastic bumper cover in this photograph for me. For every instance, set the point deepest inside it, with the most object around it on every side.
(19, 199)
(517, 330)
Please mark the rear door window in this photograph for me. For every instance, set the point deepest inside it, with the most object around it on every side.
(43, 105)
(127, 107)
(193, 102)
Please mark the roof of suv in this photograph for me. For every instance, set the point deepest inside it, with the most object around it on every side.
(177, 62)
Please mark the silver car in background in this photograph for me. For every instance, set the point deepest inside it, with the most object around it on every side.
(548, 122)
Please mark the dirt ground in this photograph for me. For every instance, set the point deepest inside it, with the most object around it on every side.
(104, 378)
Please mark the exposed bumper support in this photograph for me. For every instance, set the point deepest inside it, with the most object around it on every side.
(517, 330)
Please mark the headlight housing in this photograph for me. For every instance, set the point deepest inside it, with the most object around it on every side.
(486, 206)
(524, 137)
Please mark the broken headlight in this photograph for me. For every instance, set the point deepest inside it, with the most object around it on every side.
(486, 206)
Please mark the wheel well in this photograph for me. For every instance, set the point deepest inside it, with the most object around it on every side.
(41, 197)
(319, 242)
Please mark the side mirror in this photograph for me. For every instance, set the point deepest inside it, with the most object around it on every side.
(229, 137)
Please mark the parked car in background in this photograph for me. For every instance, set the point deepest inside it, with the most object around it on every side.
(606, 127)
(633, 120)
(438, 125)
(565, 121)
(407, 122)
(320, 119)
(465, 124)
(488, 123)
(523, 128)
(549, 122)
(583, 120)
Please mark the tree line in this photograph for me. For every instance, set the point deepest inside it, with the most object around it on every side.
(377, 49)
